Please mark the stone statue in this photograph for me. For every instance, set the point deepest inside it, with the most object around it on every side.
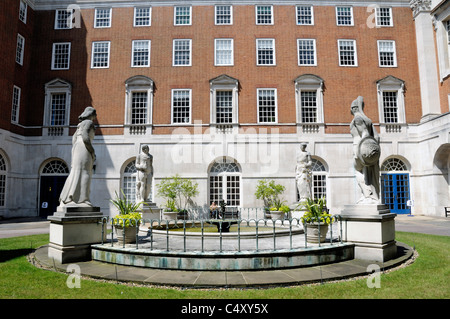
(144, 166)
(77, 187)
(303, 173)
(366, 154)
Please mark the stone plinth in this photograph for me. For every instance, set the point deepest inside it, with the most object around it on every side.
(72, 232)
(372, 229)
(150, 211)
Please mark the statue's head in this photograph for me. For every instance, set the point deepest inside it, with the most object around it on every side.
(303, 146)
(88, 112)
(145, 148)
(357, 105)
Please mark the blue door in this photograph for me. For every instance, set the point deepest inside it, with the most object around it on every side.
(395, 190)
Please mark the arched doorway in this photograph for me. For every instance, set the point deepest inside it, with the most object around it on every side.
(225, 182)
(52, 179)
(395, 187)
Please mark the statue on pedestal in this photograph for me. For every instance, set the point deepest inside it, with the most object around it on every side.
(303, 173)
(76, 190)
(144, 167)
(366, 154)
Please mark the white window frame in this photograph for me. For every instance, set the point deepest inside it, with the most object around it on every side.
(190, 52)
(309, 83)
(355, 53)
(68, 23)
(259, 106)
(298, 52)
(3, 180)
(216, 55)
(297, 14)
(394, 54)
(442, 27)
(175, 15)
(149, 17)
(172, 107)
(378, 17)
(133, 61)
(352, 22)
(23, 10)
(138, 83)
(273, 52)
(224, 83)
(20, 49)
(221, 177)
(271, 15)
(392, 84)
(92, 55)
(216, 14)
(16, 96)
(54, 56)
(97, 19)
(56, 86)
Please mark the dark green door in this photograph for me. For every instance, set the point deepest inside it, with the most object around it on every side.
(51, 187)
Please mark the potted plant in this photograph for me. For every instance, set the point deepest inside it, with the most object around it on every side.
(270, 193)
(178, 193)
(316, 219)
(127, 222)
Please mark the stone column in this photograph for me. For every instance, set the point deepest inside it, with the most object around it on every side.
(426, 55)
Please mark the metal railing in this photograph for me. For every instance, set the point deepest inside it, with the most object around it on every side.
(162, 229)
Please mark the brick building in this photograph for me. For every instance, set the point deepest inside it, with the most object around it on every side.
(224, 93)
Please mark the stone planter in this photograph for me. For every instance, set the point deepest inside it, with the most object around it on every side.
(312, 232)
(130, 234)
(169, 215)
(277, 215)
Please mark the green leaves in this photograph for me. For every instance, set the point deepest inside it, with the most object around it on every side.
(128, 214)
(269, 192)
(316, 211)
(177, 191)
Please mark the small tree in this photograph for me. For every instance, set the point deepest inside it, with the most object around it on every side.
(270, 193)
(177, 191)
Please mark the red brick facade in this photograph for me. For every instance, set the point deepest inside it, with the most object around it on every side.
(105, 88)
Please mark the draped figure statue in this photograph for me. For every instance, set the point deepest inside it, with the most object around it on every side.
(77, 187)
(366, 154)
(303, 173)
(144, 167)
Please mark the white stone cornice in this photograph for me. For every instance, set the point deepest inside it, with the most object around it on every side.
(419, 6)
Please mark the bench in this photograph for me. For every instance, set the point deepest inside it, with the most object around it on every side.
(230, 213)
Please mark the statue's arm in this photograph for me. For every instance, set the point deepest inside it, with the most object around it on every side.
(87, 127)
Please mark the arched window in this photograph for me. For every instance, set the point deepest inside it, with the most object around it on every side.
(55, 167)
(319, 179)
(225, 183)
(3, 178)
(393, 165)
(129, 182)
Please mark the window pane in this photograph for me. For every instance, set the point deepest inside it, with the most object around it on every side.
(384, 17)
(223, 14)
(306, 52)
(386, 53)
(142, 16)
(58, 109)
(61, 56)
(266, 52)
(390, 107)
(100, 55)
(181, 106)
(182, 52)
(304, 15)
(224, 52)
(344, 15)
(347, 52)
(20, 49)
(139, 108)
(182, 15)
(15, 105)
(102, 18)
(63, 19)
(309, 106)
(264, 15)
(141, 53)
(224, 107)
(267, 107)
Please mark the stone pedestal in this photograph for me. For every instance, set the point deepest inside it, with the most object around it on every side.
(149, 211)
(72, 231)
(372, 229)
